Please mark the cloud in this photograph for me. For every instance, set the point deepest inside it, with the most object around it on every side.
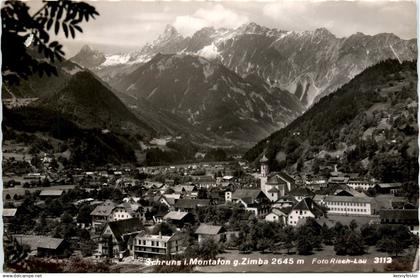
(343, 18)
(292, 15)
(217, 16)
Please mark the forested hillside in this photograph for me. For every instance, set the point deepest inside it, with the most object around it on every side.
(367, 126)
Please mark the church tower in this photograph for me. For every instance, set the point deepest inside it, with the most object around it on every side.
(264, 173)
(264, 166)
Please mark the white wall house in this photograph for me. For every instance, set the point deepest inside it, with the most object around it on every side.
(348, 205)
(365, 185)
(303, 210)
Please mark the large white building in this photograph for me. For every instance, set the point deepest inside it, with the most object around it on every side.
(347, 205)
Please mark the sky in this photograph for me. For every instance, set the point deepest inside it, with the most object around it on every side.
(126, 25)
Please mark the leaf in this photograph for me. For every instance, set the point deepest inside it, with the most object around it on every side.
(53, 44)
(66, 30)
(78, 28)
(72, 31)
(57, 27)
(49, 23)
(60, 12)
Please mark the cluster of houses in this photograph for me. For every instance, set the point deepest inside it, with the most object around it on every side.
(127, 228)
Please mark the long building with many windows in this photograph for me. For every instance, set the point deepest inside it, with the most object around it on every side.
(348, 205)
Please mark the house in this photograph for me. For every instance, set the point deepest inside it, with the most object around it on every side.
(338, 180)
(44, 246)
(316, 184)
(50, 193)
(190, 191)
(210, 232)
(348, 191)
(125, 211)
(114, 239)
(228, 196)
(388, 188)
(348, 205)
(278, 215)
(158, 217)
(169, 200)
(131, 200)
(190, 205)
(102, 214)
(407, 217)
(285, 201)
(253, 200)
(363, 184)
(301, 193)
(9, 214)
(306, 208)
(184, 189)
(205, 181)
(179, 218)
(216, 196)
(151, 246)
(152, 184)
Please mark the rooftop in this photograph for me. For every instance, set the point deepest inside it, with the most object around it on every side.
(35, 242)
(51, 192)
(175, 215)
(205, 229)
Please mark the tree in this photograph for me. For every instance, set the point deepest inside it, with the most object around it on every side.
(327, 235)
(84, 215)
(66, 218)
(20, 29)
(369, 234)
(390, 245)
(208, 249)
(264, 244)
(349, 243)
(304, 245)
(165, 229)
(353, 225)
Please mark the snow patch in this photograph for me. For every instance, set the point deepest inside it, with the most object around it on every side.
(209, 52)
(116, 60)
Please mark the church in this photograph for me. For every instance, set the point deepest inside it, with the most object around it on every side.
(275, 184)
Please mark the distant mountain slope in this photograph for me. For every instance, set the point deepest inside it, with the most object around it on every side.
(91, 104)
(89, 58)
(309, 64)
(43, 129)
(369, 126)
(81, 96)
(37, 86)
(211, 98)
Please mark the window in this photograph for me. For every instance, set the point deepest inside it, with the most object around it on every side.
(153, 243)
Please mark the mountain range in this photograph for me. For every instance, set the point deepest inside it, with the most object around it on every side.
(210, 98)
(223, 88)
(309, 64)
